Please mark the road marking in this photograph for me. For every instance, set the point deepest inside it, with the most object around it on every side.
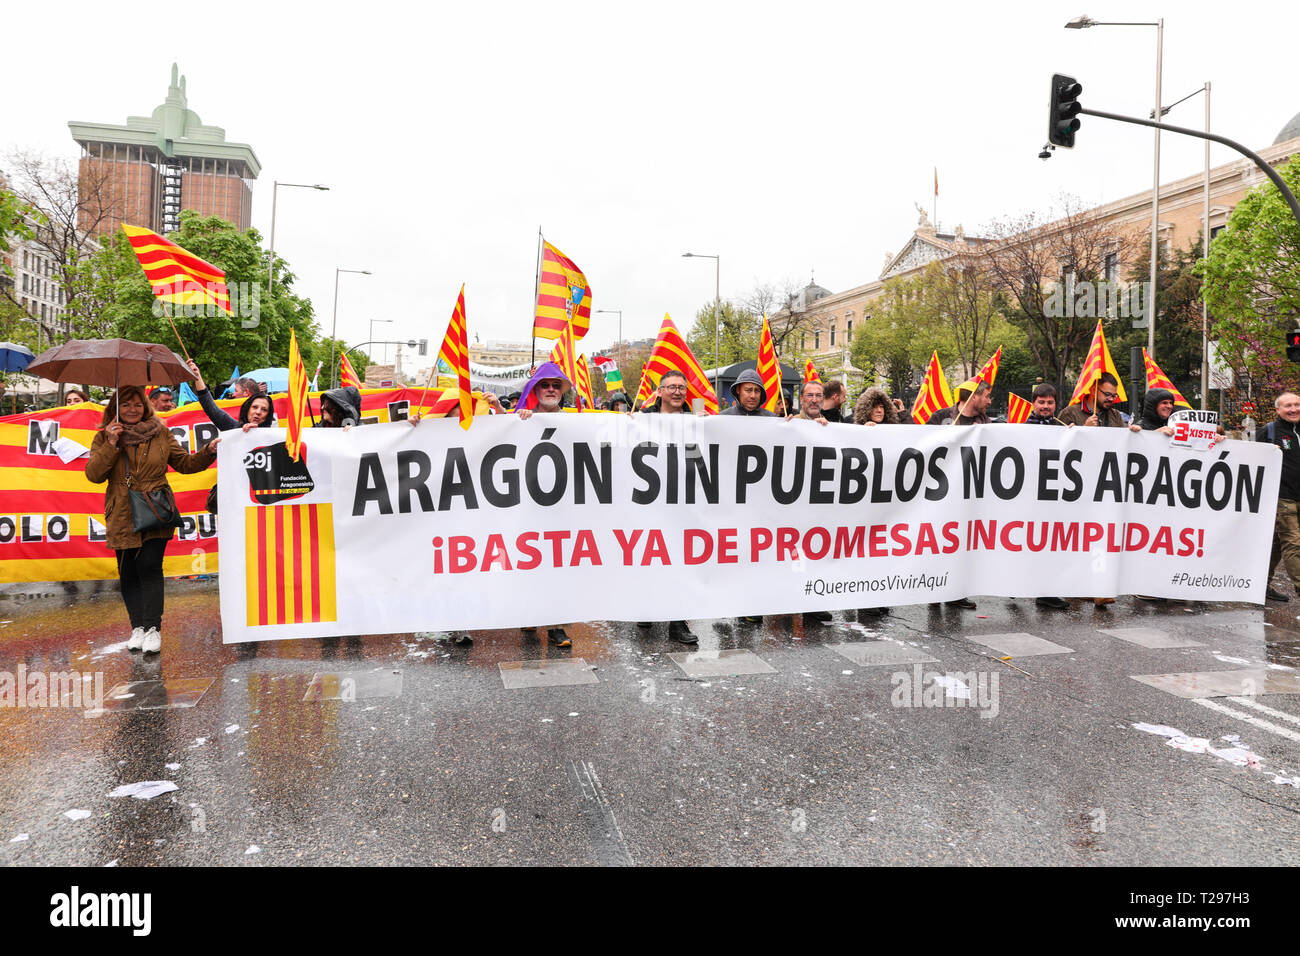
(1148, 637)
(1018, 645)
(606, 836)
(1249, 702)
(721, 663)
(878, 653)
(548, 673)
(1245, 682)
(1253, 721)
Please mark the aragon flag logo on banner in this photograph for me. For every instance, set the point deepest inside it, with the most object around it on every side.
(289, 564)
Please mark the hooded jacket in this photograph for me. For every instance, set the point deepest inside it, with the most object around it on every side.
(870, 399)
(1151, 419)
(348, 401)
(748, 377)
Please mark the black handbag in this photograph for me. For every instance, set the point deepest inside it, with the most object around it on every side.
(151, 510)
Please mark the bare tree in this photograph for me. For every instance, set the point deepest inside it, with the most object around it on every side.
(786, 314)
(1032, 255)
(961, 290)
(74, 206)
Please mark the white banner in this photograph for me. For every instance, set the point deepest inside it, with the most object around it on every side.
(391, 528)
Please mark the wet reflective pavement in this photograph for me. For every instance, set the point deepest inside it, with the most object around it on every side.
(1011, 734)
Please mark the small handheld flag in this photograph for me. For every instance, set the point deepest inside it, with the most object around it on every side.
(671, 352)
(768, 369)
(810, 373)
(347, 374)
(455, 352)
(1017, 409)
(990, 370)
(1158, 379)
(297, 399)
(934, 394)
(1097, 362)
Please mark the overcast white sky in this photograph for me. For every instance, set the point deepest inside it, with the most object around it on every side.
(783, 136)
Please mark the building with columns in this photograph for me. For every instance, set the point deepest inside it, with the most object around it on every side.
(829, 317)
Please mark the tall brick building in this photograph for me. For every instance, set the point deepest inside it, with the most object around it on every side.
(157, 165)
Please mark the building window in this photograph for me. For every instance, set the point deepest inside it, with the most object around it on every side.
(1214, 232)
(848, 330)
(26, 277)
(1110, 268)
(817, 340)
(832, 336)
(803, 340)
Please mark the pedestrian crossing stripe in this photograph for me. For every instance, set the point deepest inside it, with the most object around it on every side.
(289, 564)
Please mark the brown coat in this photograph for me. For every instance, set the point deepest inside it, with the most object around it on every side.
(149, 463)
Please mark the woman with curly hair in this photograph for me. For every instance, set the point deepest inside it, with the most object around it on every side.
(875, 407)
(132, 452)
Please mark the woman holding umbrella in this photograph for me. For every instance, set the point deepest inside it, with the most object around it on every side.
(132, 452)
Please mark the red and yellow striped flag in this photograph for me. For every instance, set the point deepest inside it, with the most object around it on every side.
(347, 374)
(769, 370)
(175, 275)
(564, 354)
(455, 352)
(1158, 379)
(934, 394)
(289, 564)
(297, 399)
(1017, 409)
(672, 352)
(561, 287)
(583, 385)
(810, 373)
(990, 370)
(1098, 361)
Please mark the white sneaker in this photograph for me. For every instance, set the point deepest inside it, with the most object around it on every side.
(136, 640)
(152, 641)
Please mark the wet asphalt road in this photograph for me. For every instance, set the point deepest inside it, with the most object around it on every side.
(813, 762)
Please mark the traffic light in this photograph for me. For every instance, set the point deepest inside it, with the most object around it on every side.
(424, 346)
(1293, 346)
(1063, 121)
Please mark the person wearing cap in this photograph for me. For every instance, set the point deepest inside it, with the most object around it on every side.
(162, 399)
(750, 395)
(973, 399)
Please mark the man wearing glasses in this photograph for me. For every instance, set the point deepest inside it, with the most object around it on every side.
(1105, 415)
(672, 395)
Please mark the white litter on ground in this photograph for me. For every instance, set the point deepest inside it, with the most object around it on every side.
(1229, 660)
(953, 687)
(145, 789)
(76, 814)
(19, 838)
(198, 742)
(232, 728)
(172, 766)
(1239, 755)
(252, 849)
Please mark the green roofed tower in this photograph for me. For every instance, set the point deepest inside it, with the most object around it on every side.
(157, 165)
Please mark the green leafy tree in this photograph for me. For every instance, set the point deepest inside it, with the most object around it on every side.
(257, 335)
(737, 339)
(1252, 286)
(897, 339)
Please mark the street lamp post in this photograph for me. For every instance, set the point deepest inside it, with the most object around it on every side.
(620, 334)
(717, 317)
(270, 285)
(334, 328)
(1205, 238)
(1081, 23)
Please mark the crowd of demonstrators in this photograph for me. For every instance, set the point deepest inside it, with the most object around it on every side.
(1105, 415)
(255, 412)
(132, 451)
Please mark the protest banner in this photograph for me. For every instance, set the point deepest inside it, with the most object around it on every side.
(52, 518)
(389, 529)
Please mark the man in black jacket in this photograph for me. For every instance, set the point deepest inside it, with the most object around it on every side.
(750, 396)
(1285, 434)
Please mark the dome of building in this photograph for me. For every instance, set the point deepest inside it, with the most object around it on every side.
(1290, 131)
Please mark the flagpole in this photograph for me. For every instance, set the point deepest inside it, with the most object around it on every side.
(537, 288)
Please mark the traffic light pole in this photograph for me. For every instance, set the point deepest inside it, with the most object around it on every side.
(1268, 170)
